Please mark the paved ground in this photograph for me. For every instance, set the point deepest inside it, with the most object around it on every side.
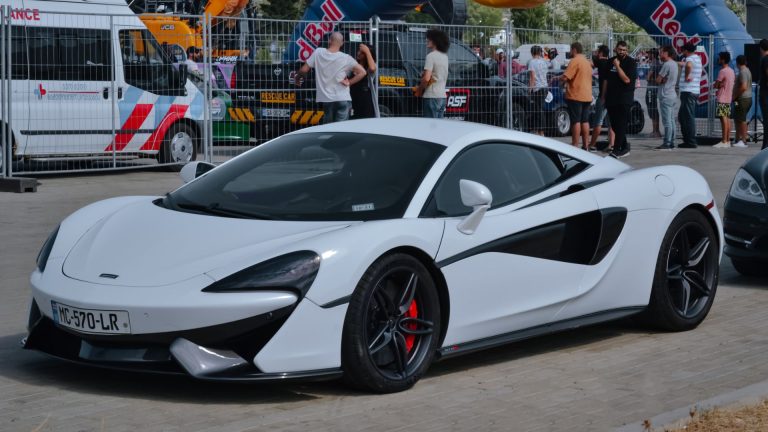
(597, 378)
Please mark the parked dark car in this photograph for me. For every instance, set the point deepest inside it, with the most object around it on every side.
(746, 217)
(556, 112)
(268, 90)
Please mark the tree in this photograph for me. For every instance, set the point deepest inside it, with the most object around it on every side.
(480, 15)
(283, 9)
(534, 18)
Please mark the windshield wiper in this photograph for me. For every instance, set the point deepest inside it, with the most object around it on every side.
(215, 209)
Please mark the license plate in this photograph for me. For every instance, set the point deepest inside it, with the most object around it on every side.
(91, 320)
(276, 112)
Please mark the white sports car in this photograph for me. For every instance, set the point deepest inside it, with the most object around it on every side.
(368, 249)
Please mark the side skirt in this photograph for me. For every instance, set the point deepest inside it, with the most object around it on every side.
(503, 339)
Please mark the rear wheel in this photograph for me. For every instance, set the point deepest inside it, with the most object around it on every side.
(391, 328)
(562, 122)
(749, 267)
(687, 273)
(384, 111)
(178, 145)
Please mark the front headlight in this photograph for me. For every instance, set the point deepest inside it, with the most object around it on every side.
(290, 272)
(745, 188)
(218, 108)
(45, 252)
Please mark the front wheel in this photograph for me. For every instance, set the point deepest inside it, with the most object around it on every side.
(391, 330)
(178, 145)
(687, 272)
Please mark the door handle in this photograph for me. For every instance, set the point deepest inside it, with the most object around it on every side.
(105, 93)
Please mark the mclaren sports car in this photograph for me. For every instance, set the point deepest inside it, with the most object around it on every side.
(366, 250)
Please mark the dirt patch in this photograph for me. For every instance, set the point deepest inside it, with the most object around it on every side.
(751, 418)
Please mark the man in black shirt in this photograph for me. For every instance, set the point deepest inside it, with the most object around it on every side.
(764, 85)
(620, 96)
(600, 61)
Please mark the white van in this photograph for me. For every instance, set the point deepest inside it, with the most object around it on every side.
(523, 53)
(88, 79)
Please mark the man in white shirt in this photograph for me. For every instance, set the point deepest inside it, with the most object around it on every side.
(332, 68)
(435, 74)
(690, 88)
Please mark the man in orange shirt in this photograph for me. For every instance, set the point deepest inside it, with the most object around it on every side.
(578, 94)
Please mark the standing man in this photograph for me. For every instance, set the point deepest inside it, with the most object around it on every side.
(332, 68)
(621, 95)
(764, 85)
(667, 79)
(539, 87)
(603, 66)
(742, 101)
(690, 87)
(435, 74)
(652, 91)
(578, 94)
(724, 85)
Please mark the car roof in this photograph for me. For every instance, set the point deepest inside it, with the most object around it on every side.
(448, 133)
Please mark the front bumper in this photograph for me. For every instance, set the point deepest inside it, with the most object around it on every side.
(219, 352)
(746, 229)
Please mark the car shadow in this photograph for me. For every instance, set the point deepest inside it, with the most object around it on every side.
(36, 369)
(537, 346)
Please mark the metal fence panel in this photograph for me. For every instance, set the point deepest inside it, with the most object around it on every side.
(92, 92)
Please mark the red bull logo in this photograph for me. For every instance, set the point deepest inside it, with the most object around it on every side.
(313, 33)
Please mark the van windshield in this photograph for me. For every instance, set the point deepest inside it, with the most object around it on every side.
(145, 64)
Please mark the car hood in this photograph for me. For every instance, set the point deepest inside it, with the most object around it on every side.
(143, 244)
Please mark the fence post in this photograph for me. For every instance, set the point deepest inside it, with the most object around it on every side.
(206, 81)
(4, 159)
(8, 93)
(610, 39)
(113, 93)
(508, 77)
(712, 100)
(375, 22)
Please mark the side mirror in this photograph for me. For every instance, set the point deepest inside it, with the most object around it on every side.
(183, 72)
(194, 170)
(477, 196)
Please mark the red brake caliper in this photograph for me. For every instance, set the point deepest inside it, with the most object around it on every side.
(412, 312)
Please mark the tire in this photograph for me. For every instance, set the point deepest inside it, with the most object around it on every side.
(179, 146)
(636, 119)
(561, 122)
(749, 267)
(391, 330)
(686, 277)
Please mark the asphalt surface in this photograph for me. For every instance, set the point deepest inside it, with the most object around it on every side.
(596, 378)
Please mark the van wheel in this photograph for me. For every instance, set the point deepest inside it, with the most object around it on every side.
(178, 146)
(562, 122)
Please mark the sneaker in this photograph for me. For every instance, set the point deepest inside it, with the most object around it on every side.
(618, 154)
(664, 147)
(722, 145)
(740, 144)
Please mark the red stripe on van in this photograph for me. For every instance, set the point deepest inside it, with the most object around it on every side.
(135, 120)
(174, 114)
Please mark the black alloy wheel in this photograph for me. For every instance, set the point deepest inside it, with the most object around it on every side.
(392, 326)
(687, 273)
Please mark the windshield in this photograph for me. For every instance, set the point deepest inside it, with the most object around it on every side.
(315, 176)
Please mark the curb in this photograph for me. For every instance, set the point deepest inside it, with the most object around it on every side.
(744, 396)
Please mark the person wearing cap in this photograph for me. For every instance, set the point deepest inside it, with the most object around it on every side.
(690, 88)
(553, 63)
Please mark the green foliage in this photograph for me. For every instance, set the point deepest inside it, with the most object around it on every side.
(534, 18)
(415, 16)
(283, 9)
(480, 15)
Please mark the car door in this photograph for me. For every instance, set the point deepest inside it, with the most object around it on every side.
(528, 256)
(71, 106)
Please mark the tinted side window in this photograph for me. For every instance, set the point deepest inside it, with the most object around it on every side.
(510, 171)
(145, 64)
(69, 54)
(43, 53)
(18, 53)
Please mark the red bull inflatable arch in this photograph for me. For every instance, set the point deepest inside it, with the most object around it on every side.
(680, 21)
